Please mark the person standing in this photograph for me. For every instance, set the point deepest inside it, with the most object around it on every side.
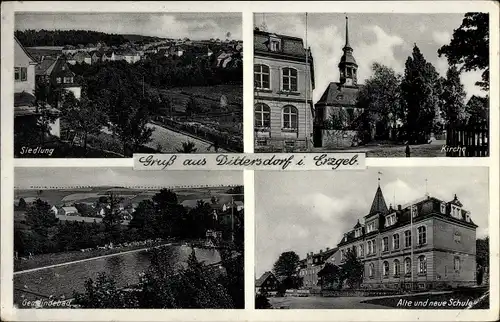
(407, 150)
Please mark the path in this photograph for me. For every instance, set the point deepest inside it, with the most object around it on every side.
(433, 149)
(170, 140)
(87, 259)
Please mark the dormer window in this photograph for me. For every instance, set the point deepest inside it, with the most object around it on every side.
(390, 220)
(414, 211)
(370, 227)
(274, 43)
(443, 208)
(456, 212)
(357, 233)
(467, 216)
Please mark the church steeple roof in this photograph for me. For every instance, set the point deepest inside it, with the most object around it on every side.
(347, 57)
(378, 204)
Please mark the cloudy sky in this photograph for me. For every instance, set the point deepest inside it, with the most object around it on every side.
(24, 178)
(309, 211)
(169, 25)
(384, 38)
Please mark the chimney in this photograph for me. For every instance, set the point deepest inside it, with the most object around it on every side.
(399, 207)
(328, 248)
(321, 251)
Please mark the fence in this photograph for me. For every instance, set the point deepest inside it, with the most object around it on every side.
(469, 140)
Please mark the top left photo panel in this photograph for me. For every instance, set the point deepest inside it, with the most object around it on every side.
(108, 85)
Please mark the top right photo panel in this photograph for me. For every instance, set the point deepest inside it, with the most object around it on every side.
(384, 84)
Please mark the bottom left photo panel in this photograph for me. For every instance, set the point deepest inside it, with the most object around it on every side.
(119, 238)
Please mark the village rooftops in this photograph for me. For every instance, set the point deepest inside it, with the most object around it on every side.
(260, 281)
(318, 258)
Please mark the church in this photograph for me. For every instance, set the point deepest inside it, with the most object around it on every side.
(337, 105)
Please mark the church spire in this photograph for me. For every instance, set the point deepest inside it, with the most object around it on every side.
(378, 204)
(347, 66)
(347, 33)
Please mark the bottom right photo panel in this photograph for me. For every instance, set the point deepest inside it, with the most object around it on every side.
(381, 238)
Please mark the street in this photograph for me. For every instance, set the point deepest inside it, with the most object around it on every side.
(170, 141)
(317, 302)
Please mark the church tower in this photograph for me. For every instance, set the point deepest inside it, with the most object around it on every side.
(347, 66)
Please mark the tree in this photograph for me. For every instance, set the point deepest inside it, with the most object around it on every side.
(352, 270)
(112, 218)
(380, 99)
(262, 302)
(83, 116)
(420, 96)
(330, 276)
(191, 107)
(477, 109)
(286, 265)
(187, 147)
(22, 204)
(469, 46)
(453, 97)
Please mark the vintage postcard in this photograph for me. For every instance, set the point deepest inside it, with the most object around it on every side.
(107, 85)
(387, 84)
(387, 238)
(126, 239)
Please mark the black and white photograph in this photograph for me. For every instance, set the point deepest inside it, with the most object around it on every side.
(386, 84)
(384, 238)
(107, 85)
(108, 238)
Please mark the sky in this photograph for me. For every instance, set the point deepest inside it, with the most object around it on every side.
(308, 211)
(195, 26)
(383, 37)
(25, 178)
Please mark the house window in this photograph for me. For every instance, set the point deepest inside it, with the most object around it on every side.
(361, 251)
(422, 235)
(414, 211)
(357, 233)
(395, 241)
(68, 80)
(20, 74)
(262, 115)
(407, 238)
(261, 75)
(422, 265)
(385, 244)
(274, 44)
(467, 216)
(456, 212)
(385, 268)
(370, 247)
(407, 265)
(374, 246)
(290, 117)
(390, 220)
(370, 227)
(443, 208)
(290, 79)
(370, 270)
(456, 264)
(396, 267)
(58, 80)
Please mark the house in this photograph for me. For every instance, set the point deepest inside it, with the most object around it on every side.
(82, 57)
(25, 106)
(55, 210)
(96, 57)
(61, 75)
(428, 244)
(266, 283)
(70, 58)
(310, 266)
(69, 49)
(109, 56)
(130, 56)
(67, 211)
(283, 86)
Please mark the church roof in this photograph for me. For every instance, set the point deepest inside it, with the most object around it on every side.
(378, 204)
(337, 94)
(347, 57)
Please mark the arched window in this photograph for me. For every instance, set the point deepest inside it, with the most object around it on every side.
(289, 79)
(262, 115)
(261, 75)
(385, 268)
(290, 117)
(370, 270)
(407, 265)
(361, 250)
(422, 265)
(370, 247)
(396, 267)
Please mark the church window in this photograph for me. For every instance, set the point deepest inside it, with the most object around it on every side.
(290, 117)
(261, 75)
(289, 79)
(262, 115)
